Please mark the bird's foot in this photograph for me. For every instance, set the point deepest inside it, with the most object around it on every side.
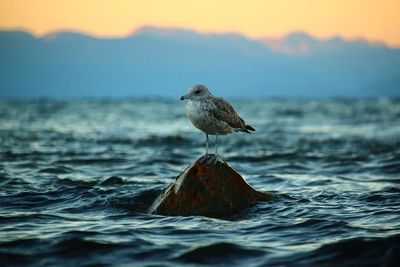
(215, 160)
(204, 159)
(211, 159)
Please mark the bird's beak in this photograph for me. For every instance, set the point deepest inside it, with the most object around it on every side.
(184, 97)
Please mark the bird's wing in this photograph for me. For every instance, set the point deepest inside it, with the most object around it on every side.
(225, 112)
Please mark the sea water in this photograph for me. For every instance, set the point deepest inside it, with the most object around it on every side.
(77, 177)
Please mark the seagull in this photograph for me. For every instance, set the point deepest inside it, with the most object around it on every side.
(213, 115)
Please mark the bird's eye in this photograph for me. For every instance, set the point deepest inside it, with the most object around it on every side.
(197, 92)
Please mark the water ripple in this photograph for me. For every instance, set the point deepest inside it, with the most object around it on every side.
(77, 178)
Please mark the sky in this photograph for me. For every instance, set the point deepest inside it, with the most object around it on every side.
(375, 20)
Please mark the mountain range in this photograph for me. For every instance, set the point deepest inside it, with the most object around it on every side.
(166, 62)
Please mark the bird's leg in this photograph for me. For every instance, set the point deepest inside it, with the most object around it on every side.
(216, 156)
(205, 157)
(216, 145)
(206, 146)
(216, 149)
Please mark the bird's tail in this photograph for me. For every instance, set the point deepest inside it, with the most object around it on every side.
(247, 129)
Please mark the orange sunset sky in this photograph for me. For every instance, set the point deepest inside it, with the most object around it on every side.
(376, 20)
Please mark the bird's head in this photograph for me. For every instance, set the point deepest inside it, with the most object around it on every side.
(198, 92)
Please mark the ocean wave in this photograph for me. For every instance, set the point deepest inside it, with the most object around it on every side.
(78, 178)
(219, 253)
(355, 252)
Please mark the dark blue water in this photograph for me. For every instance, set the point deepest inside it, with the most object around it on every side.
(77, 177)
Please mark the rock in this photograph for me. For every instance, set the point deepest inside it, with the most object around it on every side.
(207, 189)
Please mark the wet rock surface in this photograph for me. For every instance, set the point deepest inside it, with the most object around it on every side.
(209, 187)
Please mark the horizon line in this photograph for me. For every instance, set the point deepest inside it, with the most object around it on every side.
(137, 30)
